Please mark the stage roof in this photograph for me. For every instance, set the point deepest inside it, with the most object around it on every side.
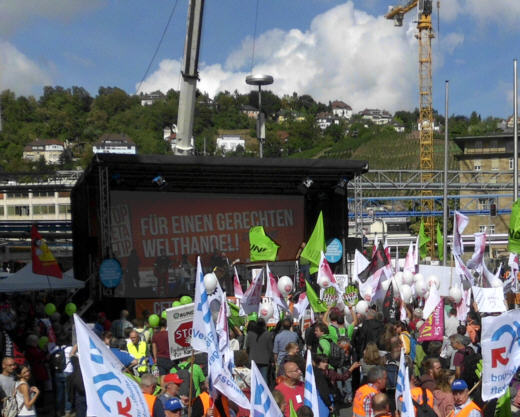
(220, 175)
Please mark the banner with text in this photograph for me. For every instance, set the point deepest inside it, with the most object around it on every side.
(158, 235)
(500, 339)
(433, 326)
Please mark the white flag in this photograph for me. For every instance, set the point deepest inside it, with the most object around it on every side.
(480, 247)
(460, 221)
(262, 401)
(300, 306)
(432, 302)
(493, 279)
(500, 339)
(272, 290)
(310, 395)
(324, 272)
(409, 261)
(236, 285)
(109, 392)
(253, 295)
(403, 396)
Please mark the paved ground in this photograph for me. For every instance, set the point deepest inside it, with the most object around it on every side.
(346, 412)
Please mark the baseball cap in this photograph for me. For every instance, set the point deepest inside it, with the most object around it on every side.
(173, 404)
(173, 378)
(459, 385)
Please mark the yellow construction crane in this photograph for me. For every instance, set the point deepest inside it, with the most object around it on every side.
(424, 35)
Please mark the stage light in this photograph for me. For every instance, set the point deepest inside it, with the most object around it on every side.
(341, 187)
(304, 186)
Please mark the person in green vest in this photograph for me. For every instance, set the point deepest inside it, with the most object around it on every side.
(139, 350)
(321, 331)
(184, 370)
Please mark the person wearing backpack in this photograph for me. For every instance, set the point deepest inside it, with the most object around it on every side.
(392, 369)
(327, 347)
(183, 370)
(26, 396)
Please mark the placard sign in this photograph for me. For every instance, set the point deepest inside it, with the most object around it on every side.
(180, 323)
(330, 296)
(351, 296)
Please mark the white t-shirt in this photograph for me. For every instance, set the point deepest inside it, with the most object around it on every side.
(21, 403)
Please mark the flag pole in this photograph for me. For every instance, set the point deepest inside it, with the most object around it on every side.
(192, 360)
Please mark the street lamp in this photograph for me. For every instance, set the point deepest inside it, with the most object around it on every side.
(260, 80)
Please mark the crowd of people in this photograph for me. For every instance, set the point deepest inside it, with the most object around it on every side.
(356, 359)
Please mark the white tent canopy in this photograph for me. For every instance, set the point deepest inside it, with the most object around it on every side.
(26, 280)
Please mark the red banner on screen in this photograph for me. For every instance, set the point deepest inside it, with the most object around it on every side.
(158, 235)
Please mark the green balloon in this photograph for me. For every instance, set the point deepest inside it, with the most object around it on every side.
(186, 299)
(50, 309)
(176, 304)
(70, 309)
(153, 320)
(43, 341)
(164, 314)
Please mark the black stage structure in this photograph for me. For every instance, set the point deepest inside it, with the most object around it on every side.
(320, 183)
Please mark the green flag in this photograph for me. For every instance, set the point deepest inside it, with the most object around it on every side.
(316, 304)
(315, 245)
(440, 243)
(423, 240)
(234, 319)
(514, 228)
(503, 407)
(261, 246)
(292, 411)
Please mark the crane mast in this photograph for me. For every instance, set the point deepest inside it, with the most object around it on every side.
(424, 36)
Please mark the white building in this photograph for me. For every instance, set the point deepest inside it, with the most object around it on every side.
(115, 143)
(376, 116)
(341, 110)
(35, 205)
(150, 98)
(229, 143)
(49, 149)
(324, 120)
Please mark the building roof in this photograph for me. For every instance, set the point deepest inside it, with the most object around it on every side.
(338, 104)
(114, 139)
(41, 142)
(465, 141)
(153, 95)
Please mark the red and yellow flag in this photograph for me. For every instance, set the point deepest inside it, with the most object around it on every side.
(43, 261)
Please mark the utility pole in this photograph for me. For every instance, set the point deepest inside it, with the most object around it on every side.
(190, 74)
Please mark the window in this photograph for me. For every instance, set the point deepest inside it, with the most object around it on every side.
(511, 163)
(484, 203)
(40, 194)
(18, 195)
(44, 209)
(1, 210)
(495, 164)
(18, 210)
(489, 228)
(64, 209)
(477, 165)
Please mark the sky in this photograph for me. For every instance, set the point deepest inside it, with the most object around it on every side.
(330, 49)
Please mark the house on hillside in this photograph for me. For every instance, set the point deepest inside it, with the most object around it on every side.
(376, 116)
(115, 143)
(324, 120)
(341, 110)
(229, 143)
(249, 111)
(398, 127)
(150, 98)
(49, 149)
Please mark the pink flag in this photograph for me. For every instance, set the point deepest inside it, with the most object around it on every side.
(325, 273)
(433, 327)
(367, 289)
(434, 299)
(463, 306)
(273, 292)
(409, 261)
(463, 270)
(300, 306)
(253, 295)
(236, 285)
(460, 221)
(480, 247)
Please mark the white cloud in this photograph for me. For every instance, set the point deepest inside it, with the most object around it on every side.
(505, 13)
(19, 73)
(346, 54)
(14, 14)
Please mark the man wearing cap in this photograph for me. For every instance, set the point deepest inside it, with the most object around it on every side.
(173, 408)
(464, 407)
(171, 383)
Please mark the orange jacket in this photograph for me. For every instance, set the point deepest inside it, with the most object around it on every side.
(150, 401)
(358, 410)
(466, 410)
(207, 403)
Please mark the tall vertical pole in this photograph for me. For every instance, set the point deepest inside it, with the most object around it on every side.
(515, 134)
(446, 209)
(260, 119)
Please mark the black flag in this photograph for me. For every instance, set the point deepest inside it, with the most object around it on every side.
(379, 260)
(390, 305)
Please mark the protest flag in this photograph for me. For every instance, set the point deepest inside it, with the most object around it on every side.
(262, 401)
(261, 246)
(292, 411)
(390, 305)
(379, 260)
(440, 243)
(236, 284)
(317, 305)
(253, 295)
(315, 245)
(423, 241)
(324, 272)
(272, 290)
(43, 261)
(460, 221)
(310, 395)
(503, 405)
(403, 396)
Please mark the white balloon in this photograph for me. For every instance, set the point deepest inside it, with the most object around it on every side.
(361, 307)
(456, 294)
(419, 324)
(421, 288)
(434, 280)
(385, 284)
(406, 293)
(407, 277)
(266, 310)
(324, 282)
(398, 278)
(285, 285)
(418, 277)
(210, 282)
